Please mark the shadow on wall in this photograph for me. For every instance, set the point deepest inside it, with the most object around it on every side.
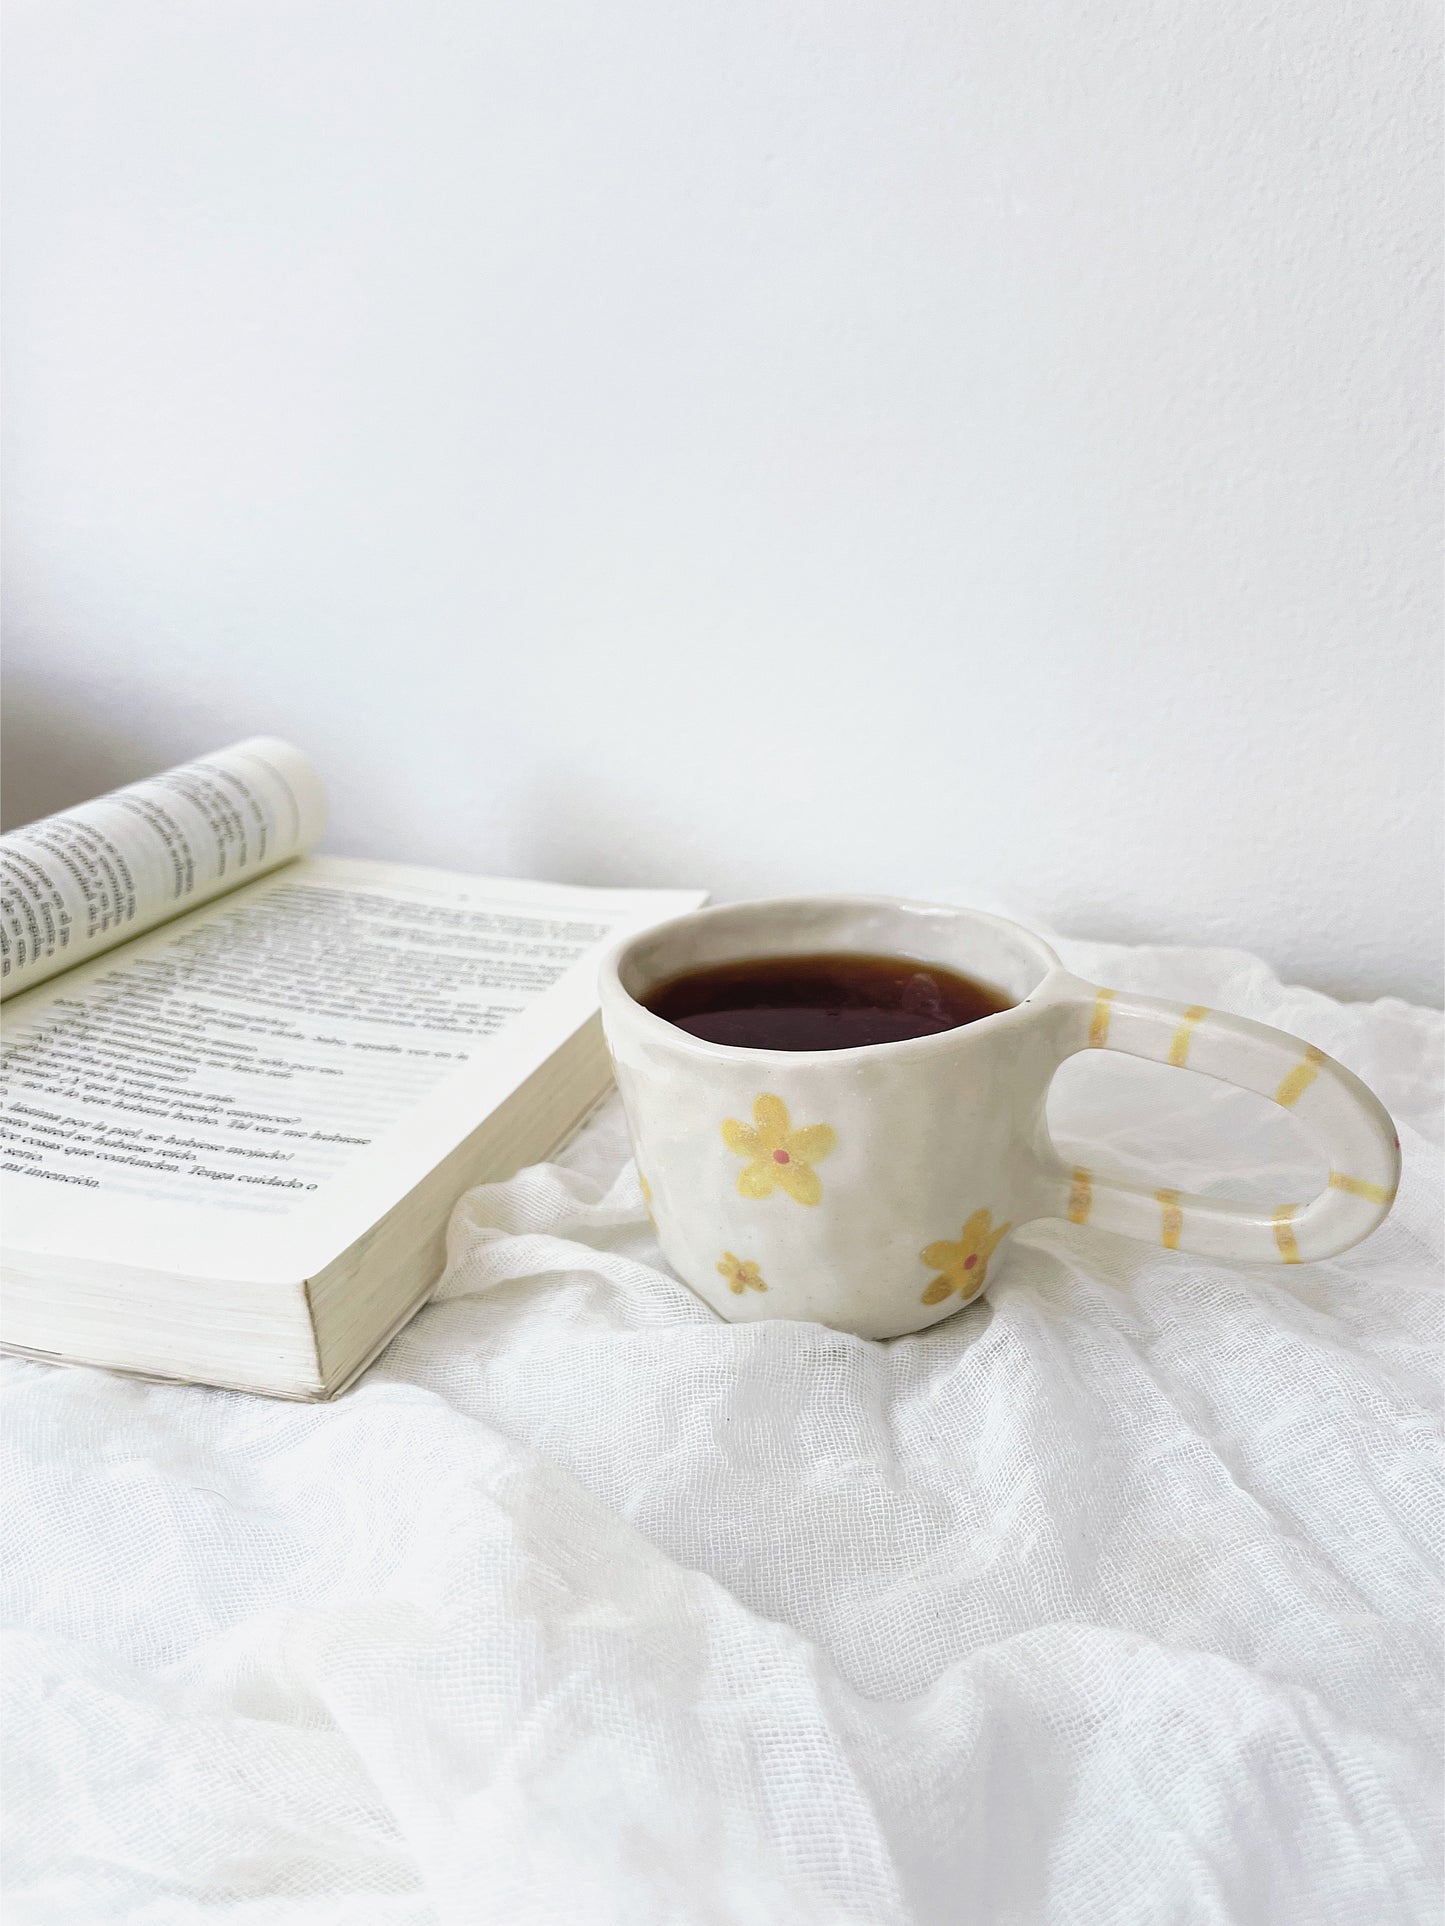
(570, 832)
(52, 756)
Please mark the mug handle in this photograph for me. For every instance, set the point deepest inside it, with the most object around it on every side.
(1343, 1118)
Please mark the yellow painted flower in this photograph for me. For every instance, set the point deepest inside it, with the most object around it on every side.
(778, 1156)
(741, 1274)
(963, 1265)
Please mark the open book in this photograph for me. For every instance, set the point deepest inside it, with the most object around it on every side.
(242, 1087)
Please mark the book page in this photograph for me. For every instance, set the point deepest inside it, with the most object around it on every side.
(78, 883)
(259, 1082)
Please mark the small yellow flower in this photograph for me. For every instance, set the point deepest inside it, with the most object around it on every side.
(777, 1154)
(742, 1275)
(964, 1265)
(647, 1199)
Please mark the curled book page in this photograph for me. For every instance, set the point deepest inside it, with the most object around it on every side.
(78, 883)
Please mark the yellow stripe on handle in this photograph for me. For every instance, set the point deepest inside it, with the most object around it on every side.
(1298, 1080)
(1183, 1036)
(1357, 1187)
(1172, 1222)
(1081, 1197)
(1099, 1024)
(1284, 1235)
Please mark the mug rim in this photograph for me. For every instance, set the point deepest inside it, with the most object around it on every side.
(613, 988)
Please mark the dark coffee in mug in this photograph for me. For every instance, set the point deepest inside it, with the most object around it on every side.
(837, 1000)
(874, 1190)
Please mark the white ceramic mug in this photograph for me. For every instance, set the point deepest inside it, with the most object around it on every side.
(871, 1189)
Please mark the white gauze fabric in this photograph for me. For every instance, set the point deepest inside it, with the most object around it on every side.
(1111, 1601)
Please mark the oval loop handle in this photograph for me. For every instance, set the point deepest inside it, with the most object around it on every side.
(1345, 1120)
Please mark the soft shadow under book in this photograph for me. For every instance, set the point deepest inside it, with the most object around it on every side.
(243, 1085)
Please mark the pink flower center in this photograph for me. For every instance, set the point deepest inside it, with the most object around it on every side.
(781, 1157)
(970, 1260)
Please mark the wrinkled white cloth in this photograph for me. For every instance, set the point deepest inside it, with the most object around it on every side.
(1114, 1599)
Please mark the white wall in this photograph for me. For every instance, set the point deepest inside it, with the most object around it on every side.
(984, 451)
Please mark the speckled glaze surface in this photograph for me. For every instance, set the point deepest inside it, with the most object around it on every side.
(876, 1190)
